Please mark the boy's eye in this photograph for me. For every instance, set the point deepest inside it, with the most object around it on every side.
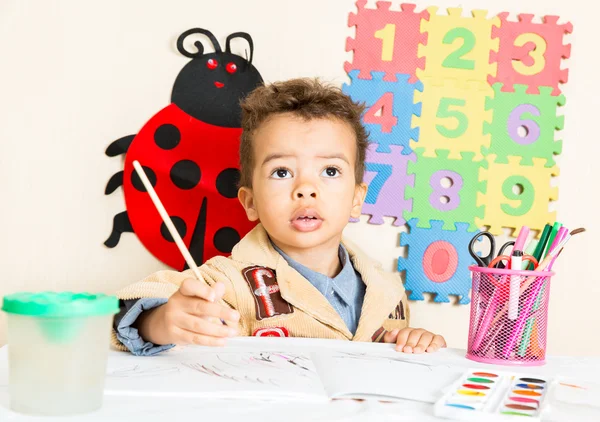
(331, 172)
(281, 174)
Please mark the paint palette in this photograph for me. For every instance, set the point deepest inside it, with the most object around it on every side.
(495, 396)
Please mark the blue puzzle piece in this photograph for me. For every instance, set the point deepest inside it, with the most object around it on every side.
(438, 261)
(371, 91)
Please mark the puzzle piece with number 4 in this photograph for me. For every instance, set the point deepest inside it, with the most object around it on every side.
(386, 40)
(437, 262)
(390, 108)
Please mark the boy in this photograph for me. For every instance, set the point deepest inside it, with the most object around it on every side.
(302, 160)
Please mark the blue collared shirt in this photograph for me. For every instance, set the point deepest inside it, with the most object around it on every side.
(345, 292)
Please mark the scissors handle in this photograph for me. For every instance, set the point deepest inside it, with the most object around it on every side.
(483, 261)
(500, 258)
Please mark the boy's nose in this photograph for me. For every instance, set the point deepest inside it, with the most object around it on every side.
(305, 191)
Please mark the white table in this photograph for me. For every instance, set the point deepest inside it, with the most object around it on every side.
(151, 409)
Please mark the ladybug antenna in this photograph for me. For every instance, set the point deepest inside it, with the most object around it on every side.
(245, 36)
(197, 44)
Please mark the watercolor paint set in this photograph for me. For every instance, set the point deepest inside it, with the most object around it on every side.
(495, 396)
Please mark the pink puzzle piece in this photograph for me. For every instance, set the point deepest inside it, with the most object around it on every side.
(387, 178)
(531, 53)
(386, 40)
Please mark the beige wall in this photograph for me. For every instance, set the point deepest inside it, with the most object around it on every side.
(75, 75)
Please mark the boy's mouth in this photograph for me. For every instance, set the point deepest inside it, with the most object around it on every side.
(306, 220)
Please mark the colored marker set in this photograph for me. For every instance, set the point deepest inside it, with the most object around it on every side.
(510, 294)
(495, 396)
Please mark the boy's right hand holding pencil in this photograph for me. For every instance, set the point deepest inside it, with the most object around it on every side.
(192, 315)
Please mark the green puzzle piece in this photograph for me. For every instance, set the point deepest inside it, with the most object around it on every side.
(450, 204)
(523, 124)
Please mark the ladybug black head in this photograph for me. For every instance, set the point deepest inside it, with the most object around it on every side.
(211, 85)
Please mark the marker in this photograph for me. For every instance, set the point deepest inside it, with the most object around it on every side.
(539, 250)
(516, 260)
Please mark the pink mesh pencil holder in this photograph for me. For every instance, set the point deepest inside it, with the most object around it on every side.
(509, 315)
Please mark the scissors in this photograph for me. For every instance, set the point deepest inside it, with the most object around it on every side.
(485, 261)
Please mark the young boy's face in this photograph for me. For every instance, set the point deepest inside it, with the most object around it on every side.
(303, 185)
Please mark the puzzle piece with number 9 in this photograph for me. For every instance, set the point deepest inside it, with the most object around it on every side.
(528, 206)
(437, 262)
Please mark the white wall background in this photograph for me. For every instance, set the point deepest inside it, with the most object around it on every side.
(76, 75)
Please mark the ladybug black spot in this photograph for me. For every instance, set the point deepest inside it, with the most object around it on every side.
(179, 225)
(137, 182)
(185, 174)
(225, 239)
(227, 182)
(167, 136)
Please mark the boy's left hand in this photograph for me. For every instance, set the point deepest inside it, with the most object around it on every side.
(414, 340)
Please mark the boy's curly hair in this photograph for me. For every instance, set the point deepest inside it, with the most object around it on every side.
(308, 99)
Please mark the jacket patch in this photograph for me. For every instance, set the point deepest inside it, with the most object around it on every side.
(265, 289)
(398, 313)
(377, 336)
(271, 332)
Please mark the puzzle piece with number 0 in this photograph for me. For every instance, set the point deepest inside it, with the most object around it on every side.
(534, 114)
(390, 108)
(386, 40)
(517, 195)
(386, 175)
(531, 53)
(437, 262)
(431, 200)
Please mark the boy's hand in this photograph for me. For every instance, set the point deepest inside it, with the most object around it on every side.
(414, 340)
(191, 316)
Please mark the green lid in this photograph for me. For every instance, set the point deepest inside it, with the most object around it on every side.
(64, 304)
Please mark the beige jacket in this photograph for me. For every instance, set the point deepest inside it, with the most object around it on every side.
(273, 299)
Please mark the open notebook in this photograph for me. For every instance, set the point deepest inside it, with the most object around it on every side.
(272, 375)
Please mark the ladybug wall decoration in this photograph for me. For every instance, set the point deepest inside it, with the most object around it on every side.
(189, 150)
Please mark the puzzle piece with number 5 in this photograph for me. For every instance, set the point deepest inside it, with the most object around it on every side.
(431, 200)
(437, 262)
(387, 179)
(386, 40)
(531, 53)
(458, 47)
(535, 114)
(390, 108)
(517, 195)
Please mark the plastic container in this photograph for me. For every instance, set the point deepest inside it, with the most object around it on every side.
(57, 350)
(504, 331)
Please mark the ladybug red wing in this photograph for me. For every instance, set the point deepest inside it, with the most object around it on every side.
(194, 169)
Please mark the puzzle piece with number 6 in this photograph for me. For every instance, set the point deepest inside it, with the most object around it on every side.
(456, 202)
(531, 53)
(517, 195)
(535, 114)
(458, 47)
(394, 101)
(387, 179)
(437, 262)
(386, 40)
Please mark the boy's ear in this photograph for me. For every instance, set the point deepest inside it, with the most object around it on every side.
(246, 198)
(360, 193)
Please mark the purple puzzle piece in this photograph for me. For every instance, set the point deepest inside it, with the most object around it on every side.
(386, 176)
